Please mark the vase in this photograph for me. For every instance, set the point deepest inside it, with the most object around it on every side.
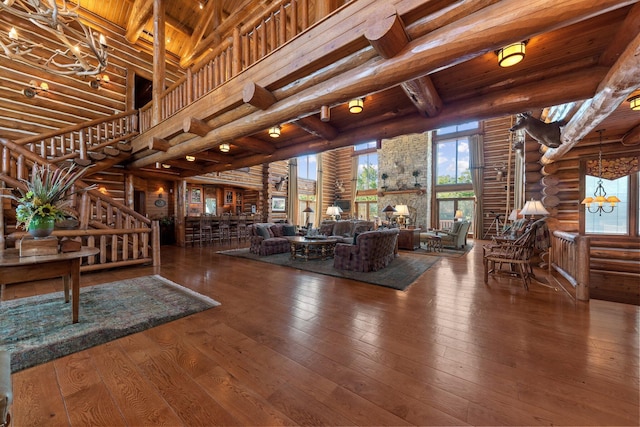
(41, 226)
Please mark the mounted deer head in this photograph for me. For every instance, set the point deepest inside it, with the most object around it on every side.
(545, 133)
(339, 186)
(278, 184)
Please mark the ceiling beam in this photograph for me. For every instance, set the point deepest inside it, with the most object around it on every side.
(622, 79)
(474, 35)
(141, 12)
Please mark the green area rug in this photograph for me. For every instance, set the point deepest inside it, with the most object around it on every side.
(399, 274)
(39, 329)
(448, 252)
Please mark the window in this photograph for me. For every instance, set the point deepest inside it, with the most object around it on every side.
(452, 162)
(366, 207)
(617, 221)
(366, 146)
(458, 128)
(367, 171)
(308, 167)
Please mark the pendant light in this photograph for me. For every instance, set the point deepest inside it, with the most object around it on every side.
(600, 195)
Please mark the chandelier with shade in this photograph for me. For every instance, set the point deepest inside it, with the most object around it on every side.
(596, 204)
(83, 52)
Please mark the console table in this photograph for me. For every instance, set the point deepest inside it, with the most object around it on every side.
(409, 239)
(17, 269)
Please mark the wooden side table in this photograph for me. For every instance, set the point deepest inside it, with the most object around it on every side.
(16, 269)
(409, 239)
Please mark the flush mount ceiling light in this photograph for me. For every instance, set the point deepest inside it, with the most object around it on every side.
(274, 131)
(224, 148)
(512, 54)
(82, 51)
(190, 158)
(356, 106)
(634, 102)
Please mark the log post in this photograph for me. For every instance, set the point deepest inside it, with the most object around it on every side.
(583, 250)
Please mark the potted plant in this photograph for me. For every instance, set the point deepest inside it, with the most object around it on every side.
(384, 177)
(46, 198)
(415, 174)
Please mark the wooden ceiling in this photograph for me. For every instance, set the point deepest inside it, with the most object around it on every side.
(578, 59)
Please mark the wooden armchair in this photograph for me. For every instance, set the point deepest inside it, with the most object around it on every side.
(517, 254)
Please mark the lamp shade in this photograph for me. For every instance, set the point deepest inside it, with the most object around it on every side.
(389, 208)
(402, 210)
(308, 209)
(333, 210)
(534, 207)
(458, 214)
(512, 54)
(515, 214)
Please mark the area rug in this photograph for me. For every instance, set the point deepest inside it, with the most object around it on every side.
(446, 252)
(399, 274)
(39, 329)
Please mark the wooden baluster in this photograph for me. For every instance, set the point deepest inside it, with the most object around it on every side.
(305, 14)
(282, 25)
(273, 33)
(294, 18)
(263, 39)
(237, 52)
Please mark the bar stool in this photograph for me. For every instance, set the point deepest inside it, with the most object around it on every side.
(206, 229)
(241, 230)
(224, 232)
(192, 231)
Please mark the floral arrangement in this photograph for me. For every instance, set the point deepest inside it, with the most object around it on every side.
(47, 194)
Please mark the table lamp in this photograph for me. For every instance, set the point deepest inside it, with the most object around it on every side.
(458, 215)
(308, 210)
(533, 207)
(402, 211)
(388, 211)
(333, 211)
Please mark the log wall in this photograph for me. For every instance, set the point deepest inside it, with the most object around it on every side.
(70, 100)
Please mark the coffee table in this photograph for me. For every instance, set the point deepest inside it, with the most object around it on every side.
(311, 248)
(432, 240)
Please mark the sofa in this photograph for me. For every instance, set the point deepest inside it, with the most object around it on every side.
(372, 251)
(345, 231)
(269, 238)
(6, 392)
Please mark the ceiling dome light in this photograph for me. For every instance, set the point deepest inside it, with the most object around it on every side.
(356, 106)
(274, 131)
(224, 148)
(512, 54)
(634, 102)
(190, 158)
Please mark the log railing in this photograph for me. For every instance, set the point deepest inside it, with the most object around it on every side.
(570, 255)
(282, 21)
(124, 236)
(85, 141)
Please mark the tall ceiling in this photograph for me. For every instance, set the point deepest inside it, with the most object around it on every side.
(579, 60)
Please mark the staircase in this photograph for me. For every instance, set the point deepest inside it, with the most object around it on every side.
(123, 236)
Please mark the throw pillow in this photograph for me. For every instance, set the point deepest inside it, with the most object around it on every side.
(277, 230)
(289, 230)
(263, 231)
(326, 229)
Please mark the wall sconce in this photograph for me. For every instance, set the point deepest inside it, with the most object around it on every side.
(512, 54)
(190, 158)
(634, 102)
(224, 148)
(160, 191)
(99, 81)
(35, 88)
(356, 106)
(274, 131)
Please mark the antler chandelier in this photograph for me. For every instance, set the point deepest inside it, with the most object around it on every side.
(84, 52)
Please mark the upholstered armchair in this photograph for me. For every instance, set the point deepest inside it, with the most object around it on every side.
(457, 237)
(372, 251)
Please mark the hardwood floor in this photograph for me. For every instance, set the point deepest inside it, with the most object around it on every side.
(295, 348)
